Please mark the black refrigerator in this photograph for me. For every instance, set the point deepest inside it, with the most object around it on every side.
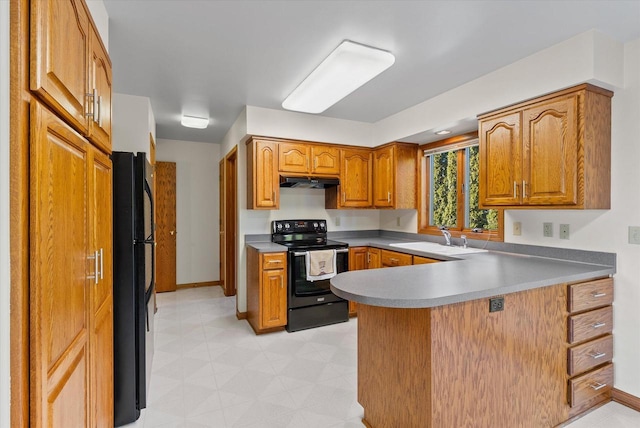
(133, 283)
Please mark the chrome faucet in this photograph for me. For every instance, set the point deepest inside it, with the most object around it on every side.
(447, 236)
(464, 241)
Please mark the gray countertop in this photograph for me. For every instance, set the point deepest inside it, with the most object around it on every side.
(457, 279)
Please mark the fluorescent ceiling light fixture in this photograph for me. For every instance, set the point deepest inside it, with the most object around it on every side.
(443, 132)
(348, 67)
(194, 122)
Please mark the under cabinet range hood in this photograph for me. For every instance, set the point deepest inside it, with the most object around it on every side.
(309, 182)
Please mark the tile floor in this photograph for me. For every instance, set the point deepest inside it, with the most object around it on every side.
(211, 370)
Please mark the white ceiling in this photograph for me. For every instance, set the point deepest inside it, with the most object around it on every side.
(214, 57)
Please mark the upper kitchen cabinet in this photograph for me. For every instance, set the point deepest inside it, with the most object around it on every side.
(263, 187)
(553, 151)
(394, 176)
(70, 70)
(305, 158)
(354, 190)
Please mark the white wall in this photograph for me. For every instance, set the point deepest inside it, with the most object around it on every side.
(5, 279)
(133, 121)
(197, 208)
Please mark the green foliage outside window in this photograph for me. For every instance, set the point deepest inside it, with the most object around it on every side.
(444, 191)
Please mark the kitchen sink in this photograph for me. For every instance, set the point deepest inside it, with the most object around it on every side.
(432, 247)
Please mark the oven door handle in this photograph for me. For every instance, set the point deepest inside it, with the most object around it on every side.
(304, 253)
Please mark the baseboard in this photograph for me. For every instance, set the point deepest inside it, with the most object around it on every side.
(241, 315)
(626, 399)
(197, 284)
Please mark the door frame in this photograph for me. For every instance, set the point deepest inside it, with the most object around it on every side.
(229, 222)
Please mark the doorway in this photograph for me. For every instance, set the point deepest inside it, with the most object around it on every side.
(166, 227)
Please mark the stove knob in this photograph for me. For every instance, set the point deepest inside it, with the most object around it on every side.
(322, 225)
(287, 225)
(279, 226)
(315, 225)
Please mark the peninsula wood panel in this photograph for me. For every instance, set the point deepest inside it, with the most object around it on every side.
(414, 373)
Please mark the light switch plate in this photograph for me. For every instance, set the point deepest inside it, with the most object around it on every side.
(517, 228)
(634, 235)
(337, 221)
(547, 230)
(564, 231)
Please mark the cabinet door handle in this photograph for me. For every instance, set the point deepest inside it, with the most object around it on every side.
(389, 197)
(524, 189)
(273, 196)
(515, 189)
(99, 104)
(596, 294)
(598, 325)
(596, 355)
(315, 163)
(344, 197)
(597, 385)
(96, 271)
(281, 283)
(91, 111)
(101, 263)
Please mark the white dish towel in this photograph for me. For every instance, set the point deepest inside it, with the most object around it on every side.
(320, 264)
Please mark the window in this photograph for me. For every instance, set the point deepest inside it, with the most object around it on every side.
(450, 191)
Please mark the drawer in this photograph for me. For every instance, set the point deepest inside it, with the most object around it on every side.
(273, 260)
(590, 385)
(588, 355)
(588, 295)
(590, 324)
(393, 258)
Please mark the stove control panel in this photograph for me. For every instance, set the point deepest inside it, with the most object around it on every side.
(298, 226)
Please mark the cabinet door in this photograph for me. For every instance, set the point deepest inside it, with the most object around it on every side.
(101, 290)
(500, 160)
(550, 139)
(325, 160)
(265, 170)
(373, 258)
(394, 258)
(100, 89)
(60, 273)
(59, 57)
(383, 178)
(357, 261)
(274, 298)
(294, 157)
(355, 178)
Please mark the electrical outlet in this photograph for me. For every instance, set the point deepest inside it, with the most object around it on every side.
(517, 228)
(337, 221)
(564, 231)
(634, 235)
(496, 304)
(547, 230)
(397, 221)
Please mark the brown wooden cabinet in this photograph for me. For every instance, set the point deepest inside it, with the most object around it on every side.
(394, 176)
(71, 330)
(418, 260)
(263, 187)
(395, 258)
(305, 158)
(590, 344)
(266, 290)
(357, 261)
(373, 258)
(355, 189)
(70, 69)
(552, 151)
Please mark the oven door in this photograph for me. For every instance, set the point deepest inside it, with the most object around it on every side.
(307, 293)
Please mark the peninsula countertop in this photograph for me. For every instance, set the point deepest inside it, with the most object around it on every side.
(463, 278)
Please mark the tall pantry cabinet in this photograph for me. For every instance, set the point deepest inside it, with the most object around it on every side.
(70, 219)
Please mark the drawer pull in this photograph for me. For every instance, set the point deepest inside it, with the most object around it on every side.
(599, 324)
(273, 261)
(595, 294)
(596, 386)
(596, 355)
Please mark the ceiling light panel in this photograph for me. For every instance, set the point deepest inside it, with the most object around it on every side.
(195, 122)
(348, 67)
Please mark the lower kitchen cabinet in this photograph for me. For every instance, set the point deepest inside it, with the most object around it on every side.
(266, 290)
(394, 258)
(418, 260)
(373, 258)
(357, 261)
